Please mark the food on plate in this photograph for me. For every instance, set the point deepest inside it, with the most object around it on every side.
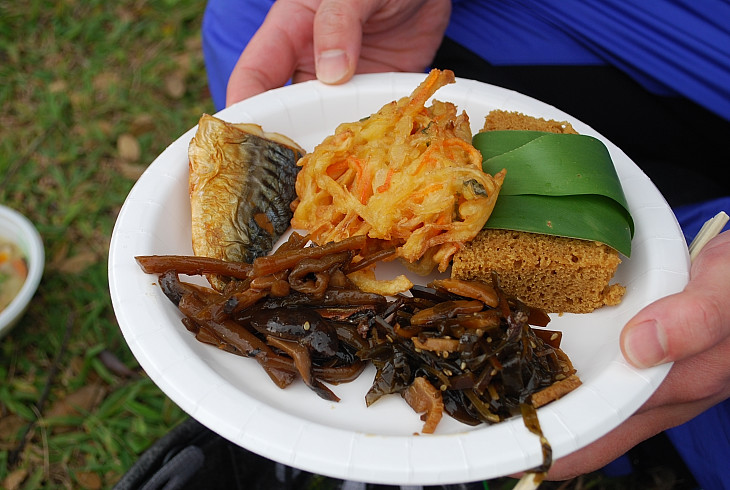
(13, 271)
(406, 176)
(466, 349)
(294, 311)
(562, 184)
(544, 269)
(500, 120)
(463, 348)
(554, 273)
(407, 183)
(241, 188)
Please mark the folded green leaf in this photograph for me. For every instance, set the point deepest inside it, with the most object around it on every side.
(589, 217)
(559, 184)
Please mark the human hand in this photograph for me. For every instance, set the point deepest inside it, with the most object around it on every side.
(691, 328)
(333, 39)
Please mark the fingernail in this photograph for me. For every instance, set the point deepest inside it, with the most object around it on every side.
(332, 66)
(645, 344)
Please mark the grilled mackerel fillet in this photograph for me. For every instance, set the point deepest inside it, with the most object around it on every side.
(241, 188)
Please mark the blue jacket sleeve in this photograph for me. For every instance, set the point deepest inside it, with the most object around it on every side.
(669, 46)
(228, 26)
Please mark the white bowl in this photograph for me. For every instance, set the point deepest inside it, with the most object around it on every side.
(18, 229)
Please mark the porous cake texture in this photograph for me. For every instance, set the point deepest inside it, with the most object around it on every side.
(499, 120)
(557, 274)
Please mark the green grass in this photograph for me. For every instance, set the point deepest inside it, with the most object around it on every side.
(91, 92)
(76, 77)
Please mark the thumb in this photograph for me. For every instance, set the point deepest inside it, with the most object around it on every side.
(285, 36)
(686, 323)
(337, 39)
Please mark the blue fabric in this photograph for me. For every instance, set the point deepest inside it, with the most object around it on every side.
(670, 46)
(228, 26)
(693, 216)
(621, 466)
(704, 444)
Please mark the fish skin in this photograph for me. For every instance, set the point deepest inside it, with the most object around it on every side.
(242, 184)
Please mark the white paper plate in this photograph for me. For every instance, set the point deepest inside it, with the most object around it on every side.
(233, 397)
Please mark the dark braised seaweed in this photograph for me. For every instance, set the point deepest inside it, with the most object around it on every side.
(487, 362)
(478, 361)
(295, 311)
(459, 347)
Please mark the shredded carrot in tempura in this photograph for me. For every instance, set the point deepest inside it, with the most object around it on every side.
(407, 175)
